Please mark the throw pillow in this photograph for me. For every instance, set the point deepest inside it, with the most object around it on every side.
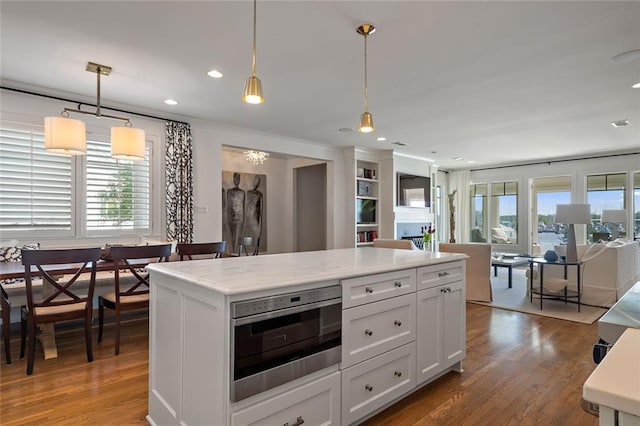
(14, 254)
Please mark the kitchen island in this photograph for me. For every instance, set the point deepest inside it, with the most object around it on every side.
(402, 325)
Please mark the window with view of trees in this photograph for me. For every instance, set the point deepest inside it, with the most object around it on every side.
(42, 194)
(504, 212)
(604, 192)
(478, 213)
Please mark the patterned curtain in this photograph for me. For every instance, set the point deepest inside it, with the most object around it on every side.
(179, 179)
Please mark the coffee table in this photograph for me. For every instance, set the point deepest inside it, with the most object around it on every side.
(508, 263)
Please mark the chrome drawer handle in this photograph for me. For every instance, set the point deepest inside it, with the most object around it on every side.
(369, 290)
(368, 332)
(397, 284)
(368, 387)
(443, 274)
(298, 422)
(398, 373)
(398, 323)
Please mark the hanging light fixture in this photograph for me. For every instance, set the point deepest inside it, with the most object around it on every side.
(255, 157)
(366, 120)
(64, 135)
(253, 87)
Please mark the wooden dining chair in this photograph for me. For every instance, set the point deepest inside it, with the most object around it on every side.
(61, 300)
(249, 245)
(135, 296)
(5, 305)
(189, 250)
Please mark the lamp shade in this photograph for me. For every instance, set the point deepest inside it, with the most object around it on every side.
(64, 135)
(366, 123)
(252, 93)
(127, 143)
(573, 213)
(614, 216)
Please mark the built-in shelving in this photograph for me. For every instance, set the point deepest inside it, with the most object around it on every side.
(366, 204)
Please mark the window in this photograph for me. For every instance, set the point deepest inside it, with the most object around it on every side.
(636, 206)
(43, 195)
(478, 213)
(549, 192)
(604, 192)
(504, 213)
(36, 187)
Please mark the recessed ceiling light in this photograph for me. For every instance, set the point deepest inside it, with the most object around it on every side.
(345, 129)
(215, 74)
(636, 86)
(627, 57)
(471, 162)
(458, 158)
(170, 102)
(381, 139)
(620, 123)
(399, 143)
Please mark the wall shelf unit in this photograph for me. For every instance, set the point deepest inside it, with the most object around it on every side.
(366, 202)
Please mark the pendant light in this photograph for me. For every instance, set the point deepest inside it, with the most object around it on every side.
(253, 87)
(63, 135)
(366, 119)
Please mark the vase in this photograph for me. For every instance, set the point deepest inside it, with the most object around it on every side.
(550, 256)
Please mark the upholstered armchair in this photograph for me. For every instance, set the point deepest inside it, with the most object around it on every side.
(478, 275)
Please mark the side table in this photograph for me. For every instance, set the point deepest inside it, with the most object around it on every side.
(567, 293)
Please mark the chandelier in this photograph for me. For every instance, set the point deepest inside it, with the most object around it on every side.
(255, 157)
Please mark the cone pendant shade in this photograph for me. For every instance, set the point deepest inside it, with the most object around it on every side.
(64, 136)
(252, 91)
(366, 123)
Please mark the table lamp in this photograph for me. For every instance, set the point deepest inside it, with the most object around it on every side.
(615, 217)
(573, 214)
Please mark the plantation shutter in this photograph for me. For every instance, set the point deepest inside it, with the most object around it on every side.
(118, 191)
(35, 186)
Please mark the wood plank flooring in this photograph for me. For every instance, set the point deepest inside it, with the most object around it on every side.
(520, 370)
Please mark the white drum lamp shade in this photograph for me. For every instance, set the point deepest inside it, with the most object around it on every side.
(127, 143)
(64, 136)
(572, 214)
(615, 217)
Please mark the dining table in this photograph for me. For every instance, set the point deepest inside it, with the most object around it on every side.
(16, 270)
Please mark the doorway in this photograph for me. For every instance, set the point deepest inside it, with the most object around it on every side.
(311, 207)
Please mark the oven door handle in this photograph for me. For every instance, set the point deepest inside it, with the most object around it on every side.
(286, 311)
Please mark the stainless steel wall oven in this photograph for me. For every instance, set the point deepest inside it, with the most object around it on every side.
(277, 339)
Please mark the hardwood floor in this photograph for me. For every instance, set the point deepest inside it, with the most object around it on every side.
(520, 370)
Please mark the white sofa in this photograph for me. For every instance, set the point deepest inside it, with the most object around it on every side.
(608, 271)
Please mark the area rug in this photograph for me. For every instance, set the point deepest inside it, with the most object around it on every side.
(516, 299)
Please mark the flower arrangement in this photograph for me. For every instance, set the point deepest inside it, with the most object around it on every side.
(426, 236)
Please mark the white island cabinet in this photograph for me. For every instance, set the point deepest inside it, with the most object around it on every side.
(392, 341)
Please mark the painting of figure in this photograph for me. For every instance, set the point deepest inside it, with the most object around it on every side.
(243, 207)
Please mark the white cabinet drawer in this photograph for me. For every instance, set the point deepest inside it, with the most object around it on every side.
(436, 275)
(372, 329)
(371, 288)
(374, 383)
(316, 403)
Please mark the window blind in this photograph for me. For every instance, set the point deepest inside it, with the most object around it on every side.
(118, 192)
(35, 186)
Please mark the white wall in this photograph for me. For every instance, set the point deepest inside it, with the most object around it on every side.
(576, 169)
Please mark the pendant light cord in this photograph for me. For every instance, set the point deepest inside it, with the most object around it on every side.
(253, 60)
(366, 90)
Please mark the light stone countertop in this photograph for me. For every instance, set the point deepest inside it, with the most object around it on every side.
(238, 275)
(615, 383)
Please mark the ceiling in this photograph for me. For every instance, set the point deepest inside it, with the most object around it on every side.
(491, 82)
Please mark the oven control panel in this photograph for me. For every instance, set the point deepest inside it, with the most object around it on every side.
(274, 303)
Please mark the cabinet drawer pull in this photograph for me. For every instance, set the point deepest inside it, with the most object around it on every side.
(398, 323)
(443, 274)
(398, 373)
(368, 387)
(448, 289)
(443, 290)
(298, 422)
(368, 289)
(368, 332)
(397, 284)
